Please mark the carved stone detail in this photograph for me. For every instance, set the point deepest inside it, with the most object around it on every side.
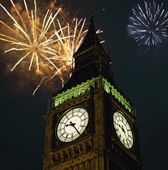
(71, 152)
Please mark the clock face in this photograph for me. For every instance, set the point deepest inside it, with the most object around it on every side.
(123, 130)
(72, 124)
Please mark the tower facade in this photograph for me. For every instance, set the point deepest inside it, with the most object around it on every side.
(90, 124)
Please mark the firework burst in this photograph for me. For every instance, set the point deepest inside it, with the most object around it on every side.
(148, 24)
(66, 47)
(30, 37)
(45, 45)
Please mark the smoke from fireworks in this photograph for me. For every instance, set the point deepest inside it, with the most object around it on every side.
(42, 43)
(148, 24)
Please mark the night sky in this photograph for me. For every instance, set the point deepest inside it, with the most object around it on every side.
(140, 72)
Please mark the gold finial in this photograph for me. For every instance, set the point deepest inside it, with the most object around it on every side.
(91, 12)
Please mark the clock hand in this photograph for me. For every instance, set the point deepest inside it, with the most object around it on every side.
(122, 128)
(73, 125)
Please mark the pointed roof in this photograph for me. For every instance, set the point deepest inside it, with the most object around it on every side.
(91, 39)
(91, 60)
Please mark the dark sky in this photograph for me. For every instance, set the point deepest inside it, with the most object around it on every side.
(141, 73)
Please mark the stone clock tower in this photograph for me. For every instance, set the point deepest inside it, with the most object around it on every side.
(91, 125)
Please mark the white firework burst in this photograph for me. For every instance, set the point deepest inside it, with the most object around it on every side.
(148, 24)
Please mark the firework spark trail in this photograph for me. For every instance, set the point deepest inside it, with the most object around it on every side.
(148, 24)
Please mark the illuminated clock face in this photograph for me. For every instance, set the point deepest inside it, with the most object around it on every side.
(72, 124)
(123, 130)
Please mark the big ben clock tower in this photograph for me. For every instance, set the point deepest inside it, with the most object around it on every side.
(91, 125)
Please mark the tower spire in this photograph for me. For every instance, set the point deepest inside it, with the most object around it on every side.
(91, 124)
(91, 14)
